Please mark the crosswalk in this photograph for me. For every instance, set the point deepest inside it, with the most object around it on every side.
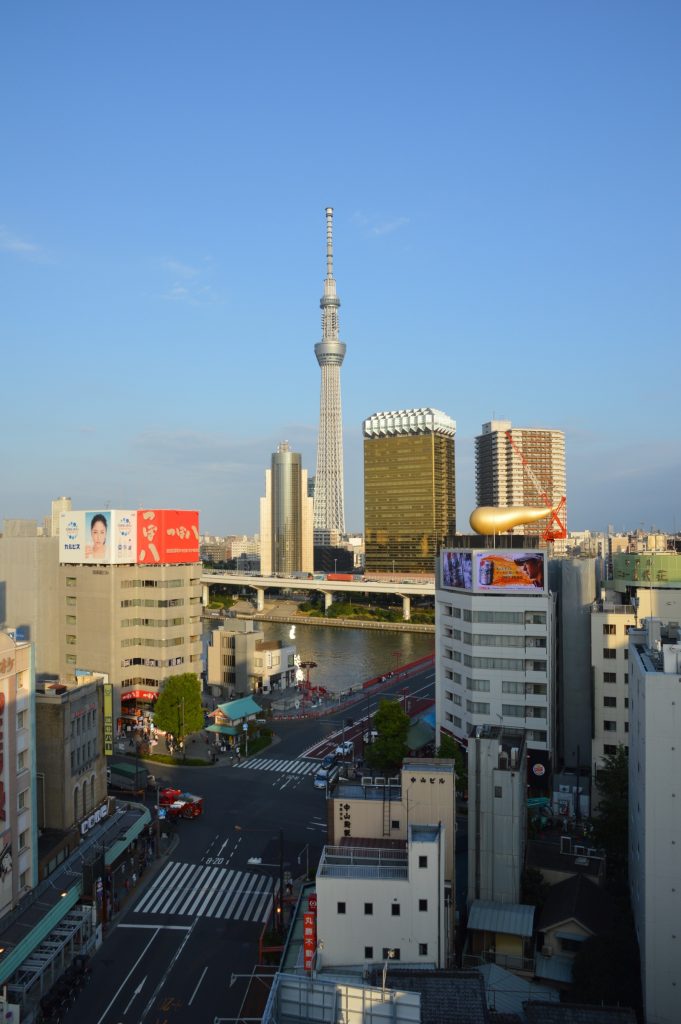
(269, 764)
(198, 890)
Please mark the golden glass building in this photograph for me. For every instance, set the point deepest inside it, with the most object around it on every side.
(409, 489)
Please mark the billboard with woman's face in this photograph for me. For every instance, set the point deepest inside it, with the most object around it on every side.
(129, 537)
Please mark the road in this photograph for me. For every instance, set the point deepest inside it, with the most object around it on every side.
(184, 949)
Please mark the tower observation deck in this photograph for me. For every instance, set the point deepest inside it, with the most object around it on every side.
(330, 351)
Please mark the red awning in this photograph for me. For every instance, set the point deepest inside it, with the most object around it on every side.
(139, 695)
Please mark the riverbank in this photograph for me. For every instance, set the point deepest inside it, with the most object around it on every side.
(286, 612)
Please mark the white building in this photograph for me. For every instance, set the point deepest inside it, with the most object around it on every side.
(494, 645)
(241, 661)
(497, 814)
(655, 813)
(381, 898)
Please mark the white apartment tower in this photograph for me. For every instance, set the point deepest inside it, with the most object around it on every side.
(655, 813)
(330, 352)
(516, 465)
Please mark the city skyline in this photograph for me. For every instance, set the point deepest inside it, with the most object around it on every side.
(505, 184)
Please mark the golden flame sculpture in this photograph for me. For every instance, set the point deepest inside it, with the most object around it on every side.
(488, 519)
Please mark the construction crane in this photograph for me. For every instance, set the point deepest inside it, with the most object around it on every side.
(551, 532)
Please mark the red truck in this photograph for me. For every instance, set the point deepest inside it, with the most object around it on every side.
(340, 577)
(181, 805)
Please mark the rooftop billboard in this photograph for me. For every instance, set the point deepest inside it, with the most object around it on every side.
(167, 535)
(494, 571)
(128, 537)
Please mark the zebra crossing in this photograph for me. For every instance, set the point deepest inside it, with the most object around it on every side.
(270, 764)
(199, 890)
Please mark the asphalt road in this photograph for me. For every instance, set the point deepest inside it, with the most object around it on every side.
(185, 948)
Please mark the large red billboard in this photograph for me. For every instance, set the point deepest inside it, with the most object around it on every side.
(167, 535)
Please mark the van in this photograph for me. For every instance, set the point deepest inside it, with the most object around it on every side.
(326, 777)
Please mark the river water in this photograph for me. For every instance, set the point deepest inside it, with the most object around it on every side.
(347, 657)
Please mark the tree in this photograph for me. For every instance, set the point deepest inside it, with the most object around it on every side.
(607, 969)
(389, 748)
(178, 708)
(450, 749)
(612, 810)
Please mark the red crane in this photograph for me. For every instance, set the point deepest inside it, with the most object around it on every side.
(551, 532)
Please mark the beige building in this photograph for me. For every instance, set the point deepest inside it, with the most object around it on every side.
(286, 516)
(71, 768)
(18, 828)
(424, 792)
(241, 661)
(138, 624)
(29, 583)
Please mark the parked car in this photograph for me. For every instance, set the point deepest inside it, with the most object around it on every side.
(345, 748)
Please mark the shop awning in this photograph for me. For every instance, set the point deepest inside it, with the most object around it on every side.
(225, 730)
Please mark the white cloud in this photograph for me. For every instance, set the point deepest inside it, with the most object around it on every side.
(189, 284)
(19, 246)
(375, 227)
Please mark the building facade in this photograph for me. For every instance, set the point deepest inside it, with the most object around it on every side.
(655, 812)
(515, 465)
(383, 900)
(329, 507)
(409, 489)
(241, 661)
(18, 821)
(497, 814)
(495, 658)
(286, 516)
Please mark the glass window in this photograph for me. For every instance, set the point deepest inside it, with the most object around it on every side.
(477, 707)
(368, 952)
(509, 686)
(609, 653)
(609, 629)
(610, 702)
(498, 792)
(423, 905)
(341, 907)
(395, 909)
(609, 677)
(423, 949)
(423, 861)
(368, 908)
(513, 710)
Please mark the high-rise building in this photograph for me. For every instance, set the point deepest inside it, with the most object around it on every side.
(329, 511)
(409, 489)
(518, 466)
(654, 812)
(286, 516)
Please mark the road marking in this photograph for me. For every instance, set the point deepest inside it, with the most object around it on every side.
(135, 994)
(208, 891)
(197, 986)
(124, 983)
(171, 965)
(268, 764)
(159, 927)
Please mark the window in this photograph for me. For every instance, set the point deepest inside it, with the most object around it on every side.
(23, 879)
(457, 721)
(395, 909)
(610, 702)
(609, 677)
(609, 748)
(391, 953)
(609, 629)
(455, 655)
(626, 678)
(70, 620)
(368, 952)
(477, 707)
(21, 720)
(341, 907)
(609, 653)
(423, 949)
(423, 905)
(513, 710)
(70, 581)
(21, 761)
(456, 677)
(449, 717)
(394, 823)
(479, 685)
(423, 861)
(456, 699)
(23, 840)
(21, 802)
(448, 694)
(535, 618)
(609, 726)
(70, 639)
(512, 687)
(70, 659)
(626, 702)
(368, 908)
(498, 792)
(71, 601)
(626, 654)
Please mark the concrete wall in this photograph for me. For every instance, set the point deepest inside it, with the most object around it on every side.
(29, 584)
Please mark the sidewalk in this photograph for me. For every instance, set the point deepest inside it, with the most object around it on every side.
(132, 877)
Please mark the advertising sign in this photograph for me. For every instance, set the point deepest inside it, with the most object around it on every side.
(309, 940)
(167, 536)
(512, 570)
(139, 695)
(103, 537)
(108, 719)
(457, 569)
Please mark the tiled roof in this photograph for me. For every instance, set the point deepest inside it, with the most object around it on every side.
(446, 996)
(578, 899)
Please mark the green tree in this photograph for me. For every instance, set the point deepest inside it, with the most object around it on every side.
(178, 708)
(450, 749)
(610, 821)
(389, 748)
(607, 969)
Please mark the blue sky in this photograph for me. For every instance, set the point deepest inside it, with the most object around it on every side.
(505, 178)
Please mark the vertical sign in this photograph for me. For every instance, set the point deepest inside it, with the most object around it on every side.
(309, 939)
(108, 719)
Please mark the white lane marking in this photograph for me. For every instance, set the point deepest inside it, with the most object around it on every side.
(197, 985)
(124, 983)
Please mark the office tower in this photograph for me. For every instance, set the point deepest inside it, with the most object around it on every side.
(285, 516)
(330, 351)
(495, 660)
(409, 493)
(521, 466)
(59, 505)
(655, 812)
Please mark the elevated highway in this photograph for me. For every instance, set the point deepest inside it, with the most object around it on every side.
(404, 589)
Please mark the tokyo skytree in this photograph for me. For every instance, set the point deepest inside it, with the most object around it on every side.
(330, 352)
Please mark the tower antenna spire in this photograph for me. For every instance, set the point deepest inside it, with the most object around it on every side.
(329, 243)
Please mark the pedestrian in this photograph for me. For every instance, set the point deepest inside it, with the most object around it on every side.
(134, 879)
